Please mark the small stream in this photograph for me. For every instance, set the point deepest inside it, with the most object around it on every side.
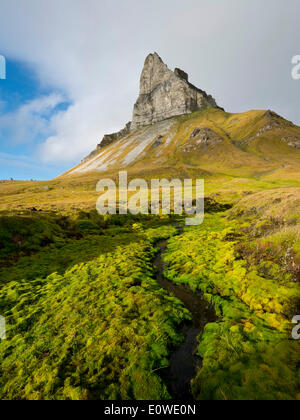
(183, 362)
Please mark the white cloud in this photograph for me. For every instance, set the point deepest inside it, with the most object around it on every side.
(29, 120)
(77, 132)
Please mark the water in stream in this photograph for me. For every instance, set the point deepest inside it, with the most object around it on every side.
(184, 362)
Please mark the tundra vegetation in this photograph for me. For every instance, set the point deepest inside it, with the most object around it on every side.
(86, 318)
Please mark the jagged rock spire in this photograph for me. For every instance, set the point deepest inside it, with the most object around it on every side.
(165, 94)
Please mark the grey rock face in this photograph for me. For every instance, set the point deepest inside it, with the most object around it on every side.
(158, 142)
(109, 139)
(165, 94)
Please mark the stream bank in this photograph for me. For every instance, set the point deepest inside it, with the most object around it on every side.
(184, 362)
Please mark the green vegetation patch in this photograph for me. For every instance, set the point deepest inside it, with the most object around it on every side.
(98, 327)
(248, 353)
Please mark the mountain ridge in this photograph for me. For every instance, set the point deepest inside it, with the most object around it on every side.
(210, 140)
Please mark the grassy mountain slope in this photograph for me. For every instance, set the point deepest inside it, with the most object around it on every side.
(249, 143)
(236, 154)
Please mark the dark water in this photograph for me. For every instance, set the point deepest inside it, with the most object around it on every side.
(184, 363)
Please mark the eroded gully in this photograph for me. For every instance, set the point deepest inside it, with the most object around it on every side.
(184, 362)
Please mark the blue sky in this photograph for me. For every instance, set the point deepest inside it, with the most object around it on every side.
(73, 68)
(18, 158)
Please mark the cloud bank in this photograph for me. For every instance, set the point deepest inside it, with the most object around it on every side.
(30, 119)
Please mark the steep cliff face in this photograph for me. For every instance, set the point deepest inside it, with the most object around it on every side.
(165, 94)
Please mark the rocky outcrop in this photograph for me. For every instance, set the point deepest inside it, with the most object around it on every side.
(200, 139)
(273, 121)
(158, 142)
(292, 141)
(109, 139)
(165, 94)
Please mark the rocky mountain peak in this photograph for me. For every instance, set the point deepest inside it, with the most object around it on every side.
(154, 73)
(165, 94)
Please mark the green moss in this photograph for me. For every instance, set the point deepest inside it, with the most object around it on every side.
(98, 327)
(87, 320)
(248, 353)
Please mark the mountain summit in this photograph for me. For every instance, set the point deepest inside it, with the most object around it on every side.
(165, 94)
(178, 130)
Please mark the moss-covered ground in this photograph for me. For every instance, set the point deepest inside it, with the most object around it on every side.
(86, 318)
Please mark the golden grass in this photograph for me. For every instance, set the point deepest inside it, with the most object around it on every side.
(230, 171)
(282, 203)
